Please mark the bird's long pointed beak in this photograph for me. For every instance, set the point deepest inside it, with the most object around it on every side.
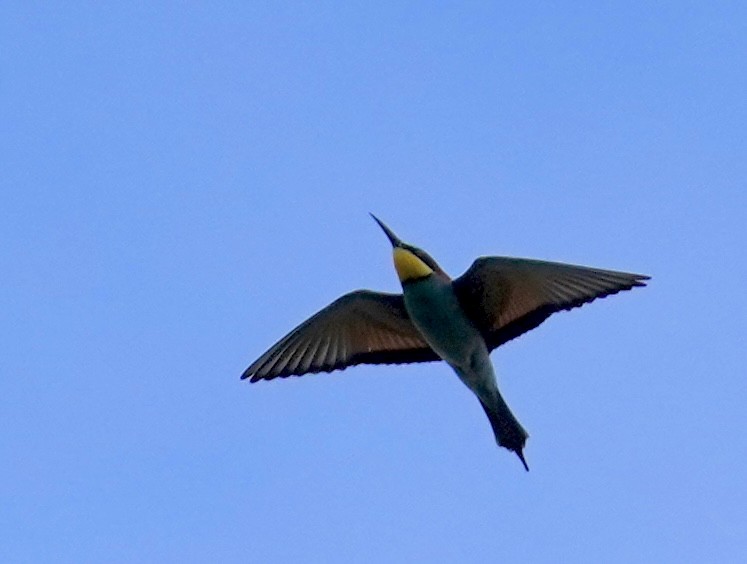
(396, 241)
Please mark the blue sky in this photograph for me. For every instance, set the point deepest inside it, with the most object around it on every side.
(184, 183)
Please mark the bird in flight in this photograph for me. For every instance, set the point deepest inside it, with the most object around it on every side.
(459, 321)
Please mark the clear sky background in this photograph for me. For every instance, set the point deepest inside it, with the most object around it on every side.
(183, 183)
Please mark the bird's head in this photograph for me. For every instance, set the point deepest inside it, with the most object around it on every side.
(411, 263)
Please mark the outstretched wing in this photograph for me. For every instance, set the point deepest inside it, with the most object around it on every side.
(507, 296)
(362, 327)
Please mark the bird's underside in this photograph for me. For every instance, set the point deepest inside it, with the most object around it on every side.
(496, 300)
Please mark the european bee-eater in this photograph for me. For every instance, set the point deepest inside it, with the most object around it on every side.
(458, 321)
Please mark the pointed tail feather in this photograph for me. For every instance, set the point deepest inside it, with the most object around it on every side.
(508, 431)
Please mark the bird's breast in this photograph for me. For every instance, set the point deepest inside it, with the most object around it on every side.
(437, 314)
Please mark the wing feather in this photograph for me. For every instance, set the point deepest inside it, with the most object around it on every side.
(360, 327)
(506, 297)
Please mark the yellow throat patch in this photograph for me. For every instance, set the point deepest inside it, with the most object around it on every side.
(409, 266)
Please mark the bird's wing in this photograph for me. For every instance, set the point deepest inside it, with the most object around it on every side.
(507, 296)
(360, 327)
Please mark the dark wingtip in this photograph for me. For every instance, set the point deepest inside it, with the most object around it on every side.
(520, 454)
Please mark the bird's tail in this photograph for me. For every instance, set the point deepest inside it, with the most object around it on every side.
(508, 431)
